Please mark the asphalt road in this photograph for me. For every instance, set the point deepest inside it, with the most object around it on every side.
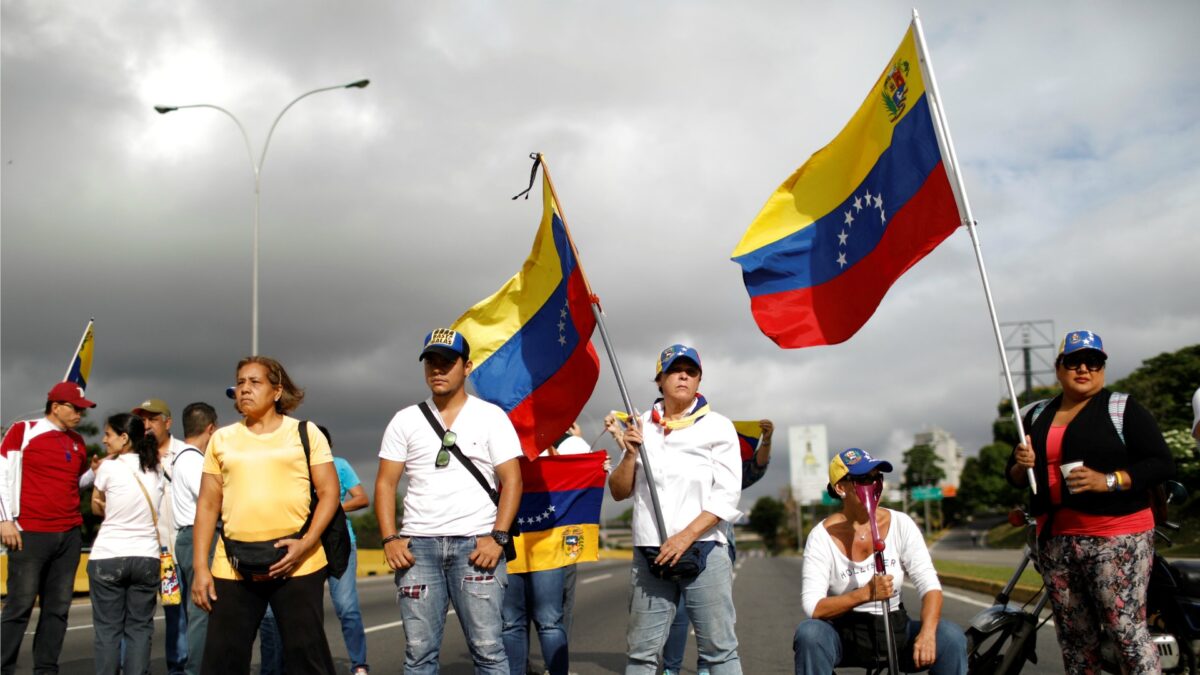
(767, 595)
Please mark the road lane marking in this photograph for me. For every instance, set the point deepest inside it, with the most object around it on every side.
(385, 626)
(598, 577)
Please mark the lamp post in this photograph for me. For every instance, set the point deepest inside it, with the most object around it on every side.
(256, 166)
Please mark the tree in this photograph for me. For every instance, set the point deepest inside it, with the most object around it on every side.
(766, 518)
(366, 529)
(1164, 385)
(983, 487)
(922, 466)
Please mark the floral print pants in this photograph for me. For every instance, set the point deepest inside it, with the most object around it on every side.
(1098, 590)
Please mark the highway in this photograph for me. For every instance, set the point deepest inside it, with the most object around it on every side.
(767, 596)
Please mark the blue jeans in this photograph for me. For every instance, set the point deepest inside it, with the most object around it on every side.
(677, 636)
(270, 646)
(536, 595)
(819, 648)
(709, 601)
(441, 574)
(344, 594)
(123, 592)
(197, 625)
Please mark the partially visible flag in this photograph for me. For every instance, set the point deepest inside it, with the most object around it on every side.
(81, 364)
(832, 239)
(559, 515)
(749, 433)
(531, 340)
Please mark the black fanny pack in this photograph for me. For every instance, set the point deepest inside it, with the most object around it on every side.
(863, 637)
(688, 567)
(253, 559)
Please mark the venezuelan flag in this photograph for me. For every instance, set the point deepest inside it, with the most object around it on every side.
(81, 364)
(531, 340)
(835, 236)
(749, 433)
(559, 515)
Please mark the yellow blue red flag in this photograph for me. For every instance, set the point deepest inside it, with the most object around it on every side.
(835, 236)
(559, 515)
(749, 433)
(531, 340)
(81, 364)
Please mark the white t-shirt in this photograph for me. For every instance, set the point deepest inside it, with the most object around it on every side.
(828, 572)
(128, 528)
(185, 485)
(1195, 411)
(449, 502)
(573, 446)
(697, 468)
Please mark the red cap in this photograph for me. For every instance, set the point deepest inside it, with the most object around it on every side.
(69, 392)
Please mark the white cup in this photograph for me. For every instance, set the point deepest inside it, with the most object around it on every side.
(1068, 468)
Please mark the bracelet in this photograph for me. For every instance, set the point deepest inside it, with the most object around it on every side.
(390, 538)
(1120, 483)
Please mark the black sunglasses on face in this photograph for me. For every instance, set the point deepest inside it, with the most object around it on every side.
(867, 479)
(443, 457)
(1093, 361)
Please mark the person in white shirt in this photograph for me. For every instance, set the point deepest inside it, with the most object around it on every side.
(199, 424)
(842, 595)
(696, 462)
(450, 546)
(123, 568)
(1196, 415)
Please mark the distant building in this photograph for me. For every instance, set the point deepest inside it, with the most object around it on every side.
(808, 454)
(949, 451)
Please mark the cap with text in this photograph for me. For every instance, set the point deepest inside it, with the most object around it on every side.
(672, 354)
(446, 342)
(1079, 340)
(855, 462)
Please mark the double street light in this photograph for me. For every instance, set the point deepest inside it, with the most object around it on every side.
(257, 168)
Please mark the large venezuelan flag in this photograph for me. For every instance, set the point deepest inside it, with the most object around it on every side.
(531, 340)
(833, 238)
(81, 364)
(560, 511)
(749, 434)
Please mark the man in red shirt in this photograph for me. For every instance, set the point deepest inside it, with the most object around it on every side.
(41, 462)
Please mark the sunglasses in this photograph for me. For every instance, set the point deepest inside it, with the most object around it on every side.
(1075, 362)
(866, 479)
(449, 440)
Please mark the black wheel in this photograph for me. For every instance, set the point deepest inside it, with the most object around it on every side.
(1002, 652)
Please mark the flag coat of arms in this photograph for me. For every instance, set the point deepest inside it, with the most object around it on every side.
(531, 340)
(831, 240)
(559, 514)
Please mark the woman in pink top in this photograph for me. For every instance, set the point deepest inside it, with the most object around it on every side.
(1095, 455)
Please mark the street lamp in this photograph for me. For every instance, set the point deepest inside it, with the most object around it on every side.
(257, 168)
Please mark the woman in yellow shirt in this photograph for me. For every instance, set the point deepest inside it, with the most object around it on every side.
(256, 479)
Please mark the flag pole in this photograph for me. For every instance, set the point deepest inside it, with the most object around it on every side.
(942, 128)
(71, 363)
(612, 356)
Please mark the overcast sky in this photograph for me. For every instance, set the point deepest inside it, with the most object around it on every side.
(386, 210)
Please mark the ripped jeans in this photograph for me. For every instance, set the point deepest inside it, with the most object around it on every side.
(440, 574)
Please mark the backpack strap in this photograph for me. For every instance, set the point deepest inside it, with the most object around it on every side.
(454, 450)
(1116, 412)
(1038, 408)
(185, 451)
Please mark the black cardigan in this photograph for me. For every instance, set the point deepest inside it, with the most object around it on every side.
(1092, 438)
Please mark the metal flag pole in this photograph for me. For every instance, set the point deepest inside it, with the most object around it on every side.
(942, 128)
(869, 496)
(612, 356)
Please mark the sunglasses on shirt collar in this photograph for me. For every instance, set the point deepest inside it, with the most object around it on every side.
(449, 440)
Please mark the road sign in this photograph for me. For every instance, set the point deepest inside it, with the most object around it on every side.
(927, 494)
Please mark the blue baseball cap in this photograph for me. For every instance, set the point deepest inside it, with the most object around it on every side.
(446, 342)
(1079, 340)
(855, 462)
(672, 354)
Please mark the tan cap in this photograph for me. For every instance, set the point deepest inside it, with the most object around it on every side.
(154, 406)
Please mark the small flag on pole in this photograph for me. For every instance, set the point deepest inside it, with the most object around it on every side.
(81, 364)
(531, 340)
(559, 515)
(749, 434)
(835, 236)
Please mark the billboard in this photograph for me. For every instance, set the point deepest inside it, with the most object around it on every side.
(808, 454)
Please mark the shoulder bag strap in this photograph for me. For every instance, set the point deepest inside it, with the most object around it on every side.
(1116, 412)
(153, 513)
(454, 450)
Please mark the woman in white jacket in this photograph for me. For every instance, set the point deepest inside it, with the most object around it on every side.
(841, 592)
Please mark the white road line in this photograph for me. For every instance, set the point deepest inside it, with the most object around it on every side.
(598, 577)
(394, 624)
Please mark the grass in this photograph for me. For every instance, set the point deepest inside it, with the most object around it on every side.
(998, 573)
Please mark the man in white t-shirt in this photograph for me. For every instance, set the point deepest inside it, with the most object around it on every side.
(156, 414)
(199, 423)
(450, 546)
